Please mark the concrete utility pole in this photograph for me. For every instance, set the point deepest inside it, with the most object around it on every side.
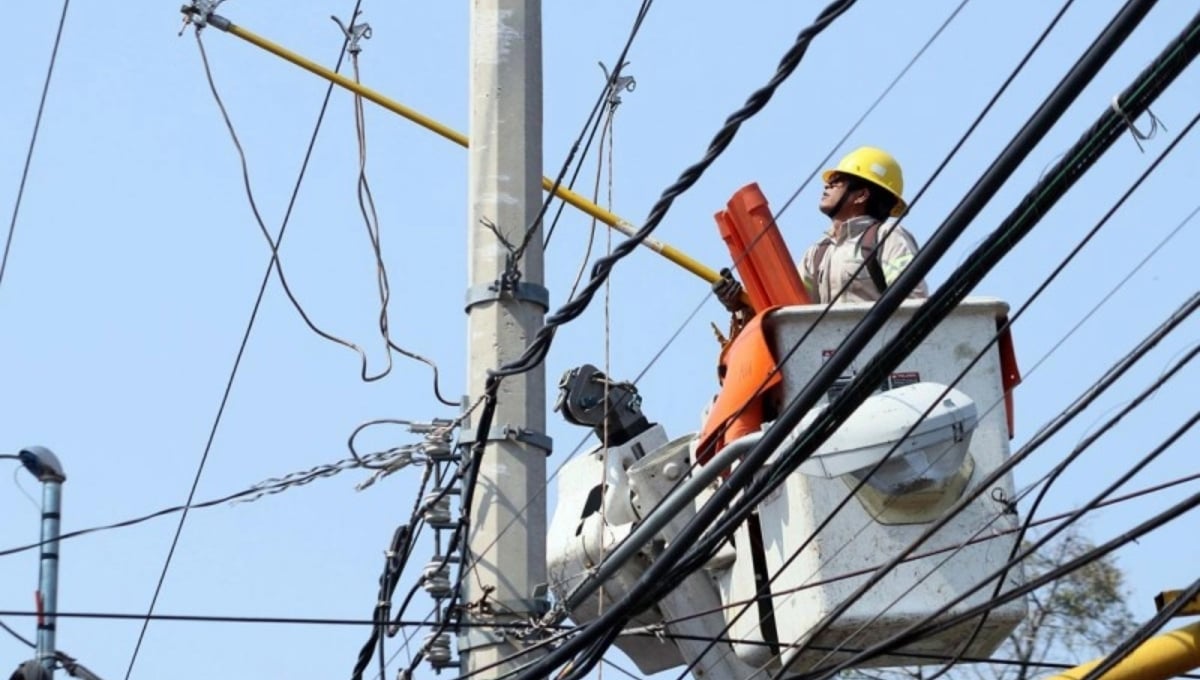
(504, 313)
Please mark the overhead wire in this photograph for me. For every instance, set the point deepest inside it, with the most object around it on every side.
(938, 305)
(1012, 320)
(999, 533)
(245, 336)
(1018, 545)
(920, 193)
(366, 203)
(700, 305)
(940, 620)
(37, 124)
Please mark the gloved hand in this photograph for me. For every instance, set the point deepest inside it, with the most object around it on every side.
(729, 291)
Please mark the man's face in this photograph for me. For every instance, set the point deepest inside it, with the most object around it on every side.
(835, 188)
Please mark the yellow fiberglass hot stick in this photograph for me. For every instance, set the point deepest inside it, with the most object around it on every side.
(607, 217)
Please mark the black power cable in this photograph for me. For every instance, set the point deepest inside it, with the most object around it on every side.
(936, 622)
(685, 551)
(1027, 450)
(240, 353)
(37, 124)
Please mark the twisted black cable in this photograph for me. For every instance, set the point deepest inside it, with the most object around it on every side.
(600, 271)
(950, 294)
(937, 307)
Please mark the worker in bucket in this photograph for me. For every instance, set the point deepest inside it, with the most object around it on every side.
(859, 195)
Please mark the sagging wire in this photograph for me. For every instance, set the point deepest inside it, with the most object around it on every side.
(1012, 320)
(189, 16)
(366, 203)
(684, 550)
(355, 33)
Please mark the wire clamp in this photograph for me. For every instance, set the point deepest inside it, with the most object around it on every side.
(537, 440)
(617, 83)
(354, 33)
(522, 291)
(199, 13)
(1138, 135)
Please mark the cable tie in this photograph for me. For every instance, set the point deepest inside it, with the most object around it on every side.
(1138, 135)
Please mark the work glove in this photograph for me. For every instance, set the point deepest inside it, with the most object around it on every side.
(729, 291)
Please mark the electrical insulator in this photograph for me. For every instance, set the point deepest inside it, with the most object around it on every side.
(436, 578)
(437, 650)
(438, 449)
(437, 511)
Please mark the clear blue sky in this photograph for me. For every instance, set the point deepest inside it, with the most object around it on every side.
(136, 260)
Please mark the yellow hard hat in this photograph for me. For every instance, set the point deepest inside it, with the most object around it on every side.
(877, 167)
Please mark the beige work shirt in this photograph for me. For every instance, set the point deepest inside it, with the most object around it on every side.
(895, 246)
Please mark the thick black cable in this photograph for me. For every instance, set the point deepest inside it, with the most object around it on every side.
(1001, 533)
(1062, 465)
(946, 298)
(796, 346)
(1018, 547)
(936, 622)
(943, 301)
(538, 347)
(37, 124)
(1077, 160)
(238, 358)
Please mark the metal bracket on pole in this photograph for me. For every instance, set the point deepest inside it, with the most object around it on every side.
(524, 292)
(476, 638)
(537, 440)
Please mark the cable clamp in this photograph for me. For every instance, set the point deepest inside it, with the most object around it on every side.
(523, 435)
(617, 83)
(199, 13)
(522, 291)
(1138, 135)
(354, 33)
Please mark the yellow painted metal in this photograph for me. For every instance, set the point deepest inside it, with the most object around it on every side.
(1192, 608)
(574, 199)
(1160, 657)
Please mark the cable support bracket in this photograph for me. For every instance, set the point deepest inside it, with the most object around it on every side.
(537, 440)
(522, 291)
(354, 33)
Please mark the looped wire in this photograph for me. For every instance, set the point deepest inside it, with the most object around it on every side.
(1138, 135)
